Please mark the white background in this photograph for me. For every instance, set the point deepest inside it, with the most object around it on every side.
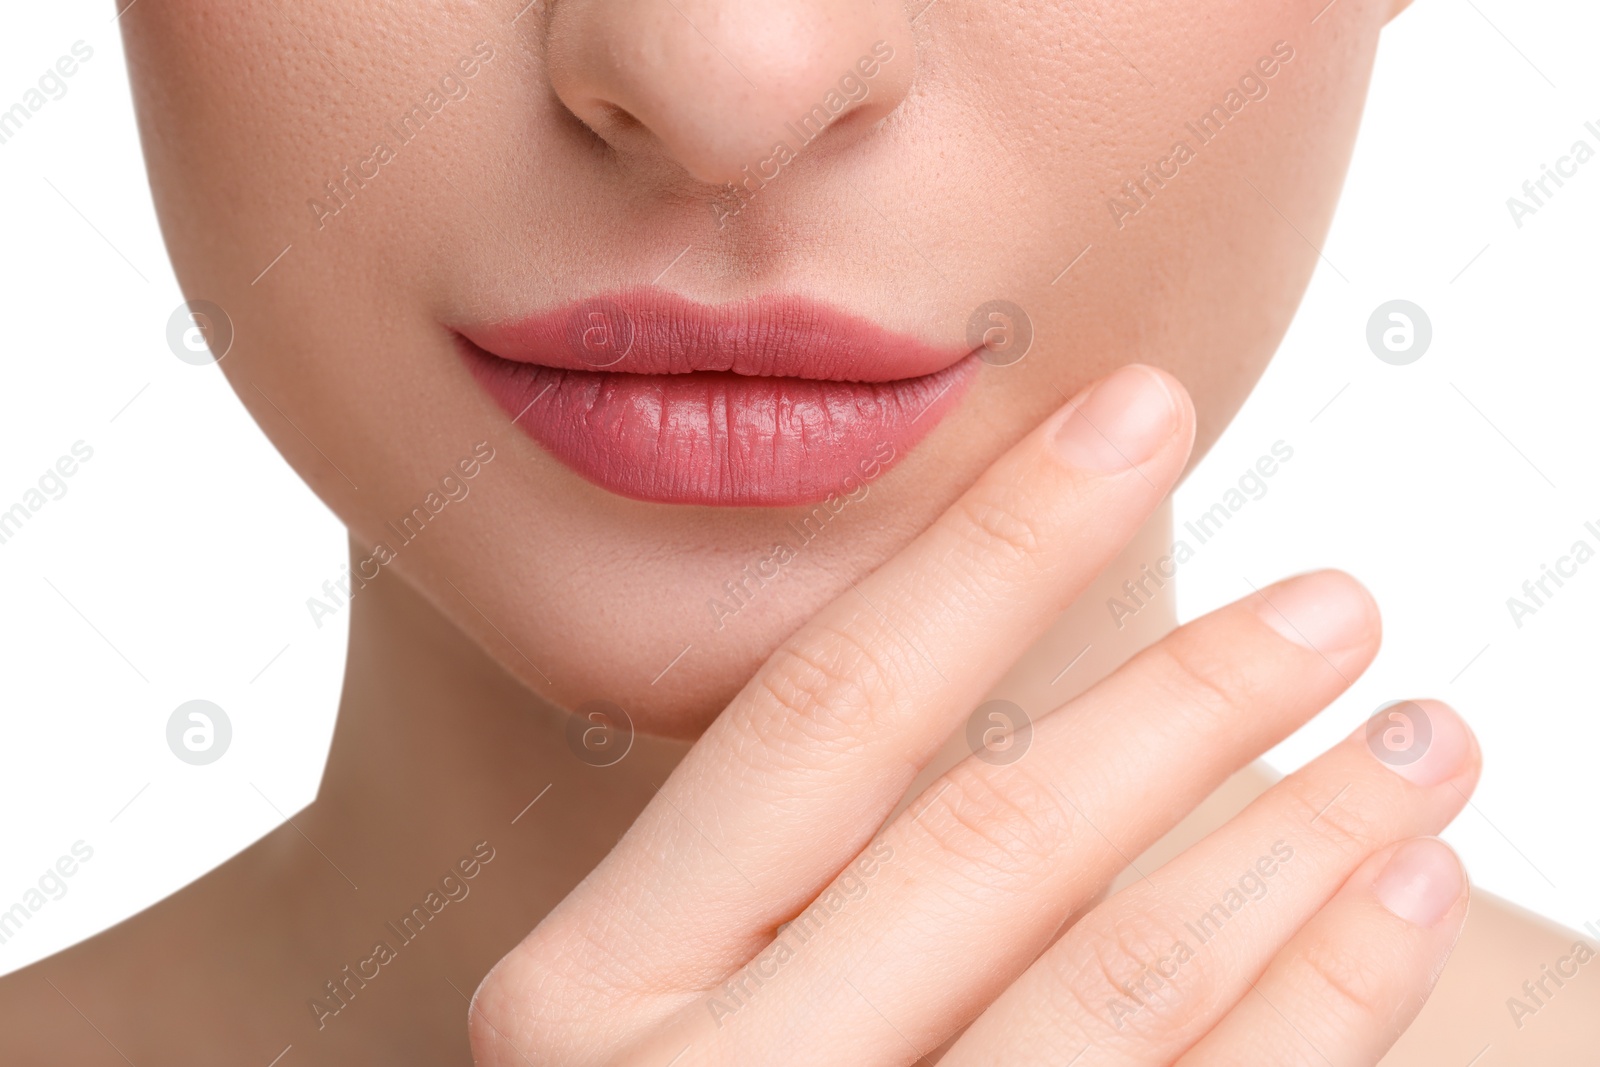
(177, 564)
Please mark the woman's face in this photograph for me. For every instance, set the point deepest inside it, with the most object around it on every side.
(721, 266)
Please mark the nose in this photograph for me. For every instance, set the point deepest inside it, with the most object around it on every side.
(717, 85)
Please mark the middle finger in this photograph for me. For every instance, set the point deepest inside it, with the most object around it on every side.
(992, 860)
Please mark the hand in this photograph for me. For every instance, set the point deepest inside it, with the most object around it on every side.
(1308, 930)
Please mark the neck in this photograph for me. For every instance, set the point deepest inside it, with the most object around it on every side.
(434, 737)
(440, 758)
(438, 748)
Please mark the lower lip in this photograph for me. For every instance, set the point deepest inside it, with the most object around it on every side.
(717, 438)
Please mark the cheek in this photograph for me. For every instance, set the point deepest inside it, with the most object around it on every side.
(1018, 158)
(1172, 219)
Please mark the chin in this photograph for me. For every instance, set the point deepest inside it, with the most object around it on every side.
(670, 611)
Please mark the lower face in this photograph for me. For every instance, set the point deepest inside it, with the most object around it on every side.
(612, 415)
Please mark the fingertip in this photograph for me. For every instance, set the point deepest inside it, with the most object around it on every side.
(1182, 402)
(1122, 421)
(1422, 881)
(1326, 611)
(1426, 742)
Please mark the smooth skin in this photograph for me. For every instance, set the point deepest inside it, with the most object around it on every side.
(790, 786)
(979, 166)
(584, 156)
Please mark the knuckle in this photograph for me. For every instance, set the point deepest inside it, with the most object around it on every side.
(1211, 684)
(534, 1000)
(822, 693)
(1000, 828)
(1342, 819)
(479, 1031)
(1348, 986)
(988, 518)
(490, 1018)
(1137, 973)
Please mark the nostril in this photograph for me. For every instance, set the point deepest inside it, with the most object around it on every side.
(611, 125)
(643, 77)
(617, 118)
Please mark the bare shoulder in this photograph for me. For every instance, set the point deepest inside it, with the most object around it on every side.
(1518, 990)
(41, 1021)
(154, 973)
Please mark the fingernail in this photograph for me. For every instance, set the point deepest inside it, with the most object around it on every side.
(1121, 423)
(1423, 741)
(1327, 612)
(1421, 881)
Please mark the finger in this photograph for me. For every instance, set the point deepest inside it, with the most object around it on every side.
(972, 882)
(795, 776)
(1348, 984)
(1144, 976)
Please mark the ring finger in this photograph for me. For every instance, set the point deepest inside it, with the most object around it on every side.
(1355, 977)
(1146, 975)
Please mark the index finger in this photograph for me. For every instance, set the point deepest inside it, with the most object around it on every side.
(792, 780)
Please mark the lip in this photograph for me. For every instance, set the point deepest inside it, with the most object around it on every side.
(768, 402)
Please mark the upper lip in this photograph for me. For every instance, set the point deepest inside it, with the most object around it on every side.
(652, 331)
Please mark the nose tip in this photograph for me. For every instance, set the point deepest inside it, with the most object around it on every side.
(717, 86)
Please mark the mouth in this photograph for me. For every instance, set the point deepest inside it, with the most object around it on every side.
(771, 402)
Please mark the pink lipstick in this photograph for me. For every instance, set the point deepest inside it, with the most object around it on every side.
(768, 402)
